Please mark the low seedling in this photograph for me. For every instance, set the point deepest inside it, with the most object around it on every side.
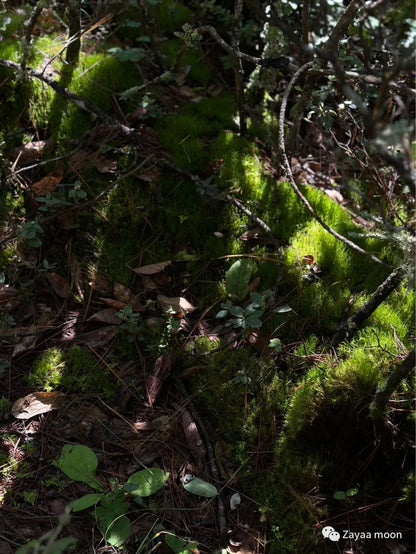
(80, 463)
(247, 317)
(341, 495)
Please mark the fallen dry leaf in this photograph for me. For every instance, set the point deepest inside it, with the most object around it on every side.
(30, 152)
(100, 284)
(148, 283)
(160, 372)
(105, 165)
(153, 425)
(123, 293)
(193, 438)
(150, 176)
(49, 183)
(37, 403)
(106, 316)
(26, 343)
(177, 303)
(59, 284)
(112, 303)
(152, 268)
(251, 234)
(99, 337)
(76, 273)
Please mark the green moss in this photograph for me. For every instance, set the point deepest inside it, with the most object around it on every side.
(199, 74)
(74, 371)
(49, 370)
(304, 403)
(95, 76)
(172, 15)
(84, 375)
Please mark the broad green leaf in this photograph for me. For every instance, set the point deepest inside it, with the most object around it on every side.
(200, 487)
(257, 299)
(276, 344)
(339, 495)
(253, 321)
(62, 545)
(237, 278)
(111, 507)
(221, 314)
(86, 501)
(237, 311)
(58, 547)
(351, 492)
(178, 545)
(79, 463)
(147, 481)
(117, 532)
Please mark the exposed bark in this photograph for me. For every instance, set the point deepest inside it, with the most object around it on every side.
(74, 32)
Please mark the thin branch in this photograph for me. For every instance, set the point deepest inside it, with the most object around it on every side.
(213, 468)
(347, 329)
(238, 66)
(77, 100)
(279, 63)
(292, 181)
(40, 6)
(382, 396)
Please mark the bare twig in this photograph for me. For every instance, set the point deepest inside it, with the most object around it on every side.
(238, 66)
(81, 103)
(279, 63)
(37, 10)
(382, 396)
(292, 181)
(74, 31)
(222, 523)
(347, 329)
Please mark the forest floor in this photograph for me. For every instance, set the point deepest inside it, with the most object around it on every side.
(169, 303)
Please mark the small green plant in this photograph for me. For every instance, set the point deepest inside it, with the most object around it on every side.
(237, 279)
(247, 317)
(341, 495)
(276, 345)
(30, 496)
(65, 196)
(132, 322)
(80, 463)
(30, 233)
(4, 403)
(7, 321)
(4, 364)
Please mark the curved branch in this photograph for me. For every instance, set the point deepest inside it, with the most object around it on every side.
(292, 181)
